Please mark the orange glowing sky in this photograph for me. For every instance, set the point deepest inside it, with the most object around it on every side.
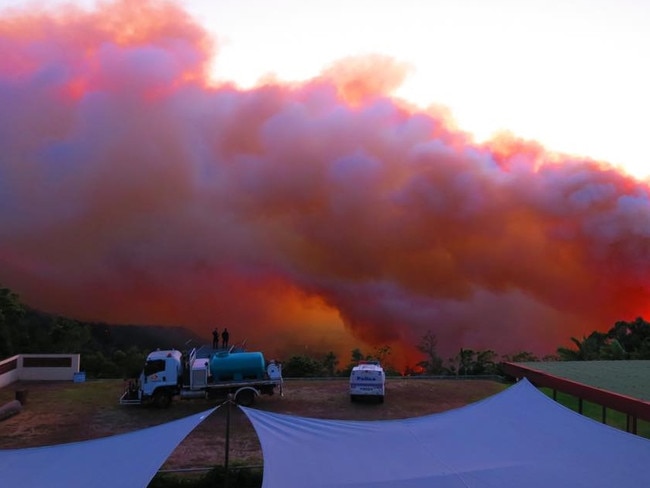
(140, 182)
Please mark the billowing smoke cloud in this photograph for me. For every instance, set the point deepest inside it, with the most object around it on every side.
(321, 215)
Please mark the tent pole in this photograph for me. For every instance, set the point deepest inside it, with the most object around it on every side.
(225, 462)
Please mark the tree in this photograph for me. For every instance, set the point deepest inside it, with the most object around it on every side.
(382, 353)
(69, 336)
(464, 360)
(587, 349)
(567, 354)
(428, 346)
(355, 357)
(485, 362)
(469, 362)
(96, 365)
(633, 338)
(130, 362)
(644, 350)
(521, 357)
(11, 332)
(330, 362)
(612, 351)
(302, 367)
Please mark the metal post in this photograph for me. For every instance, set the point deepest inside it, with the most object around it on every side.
(225, 462)
(580, 404)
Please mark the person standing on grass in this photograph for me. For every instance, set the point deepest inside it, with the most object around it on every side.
(215, 339)
(224, 338)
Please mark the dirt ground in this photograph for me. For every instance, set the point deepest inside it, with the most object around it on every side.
(56, 412)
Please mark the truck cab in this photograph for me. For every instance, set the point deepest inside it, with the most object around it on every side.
(367, 381)
(160, 379)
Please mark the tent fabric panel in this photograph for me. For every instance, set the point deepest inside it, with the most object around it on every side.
(519, 437)
(131, 459)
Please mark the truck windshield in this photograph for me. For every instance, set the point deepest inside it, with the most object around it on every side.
(154, 366)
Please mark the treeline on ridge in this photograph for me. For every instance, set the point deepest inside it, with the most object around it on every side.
(119, 351)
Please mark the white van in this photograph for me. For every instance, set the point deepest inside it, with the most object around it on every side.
(368, 381)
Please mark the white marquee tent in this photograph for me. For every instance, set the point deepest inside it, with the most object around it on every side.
(125, 460)
(517, 438)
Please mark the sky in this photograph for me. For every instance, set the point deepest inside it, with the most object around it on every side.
(569, 74)
(329, 175)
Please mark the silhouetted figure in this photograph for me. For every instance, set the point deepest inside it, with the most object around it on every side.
(224, 338)
(215, 339)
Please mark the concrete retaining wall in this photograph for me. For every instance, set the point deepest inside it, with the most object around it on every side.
(38, 367)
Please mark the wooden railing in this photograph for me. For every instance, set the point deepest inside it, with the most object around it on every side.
(633, 407)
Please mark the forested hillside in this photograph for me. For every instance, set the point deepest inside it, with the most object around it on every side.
(107, 350)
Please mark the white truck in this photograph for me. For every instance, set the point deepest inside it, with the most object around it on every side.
(367, 381)
(203, 373)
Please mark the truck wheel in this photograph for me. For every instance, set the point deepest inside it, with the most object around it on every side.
(245, 398)
(162, 399)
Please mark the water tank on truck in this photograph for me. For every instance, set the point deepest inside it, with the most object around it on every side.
(237, 366)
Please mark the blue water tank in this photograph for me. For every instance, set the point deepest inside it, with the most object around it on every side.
(237, 366)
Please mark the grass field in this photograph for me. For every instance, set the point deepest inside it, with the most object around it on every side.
(62, 412)
(631, 378)
(65, 412)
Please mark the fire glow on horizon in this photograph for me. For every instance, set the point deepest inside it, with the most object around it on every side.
(320, 214)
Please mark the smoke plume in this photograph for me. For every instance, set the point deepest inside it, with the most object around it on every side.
(317, 215)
